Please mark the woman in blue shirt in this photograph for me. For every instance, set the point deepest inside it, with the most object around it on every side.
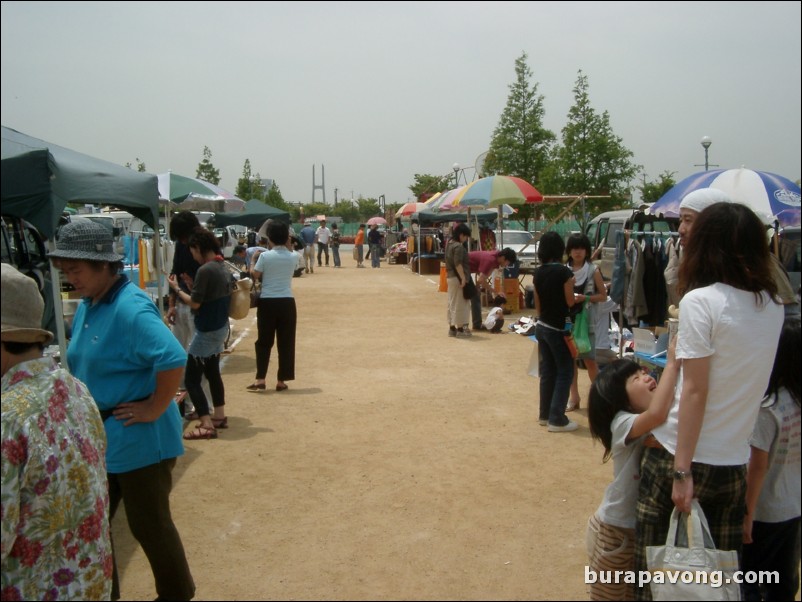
(276, 314)
(132, 365)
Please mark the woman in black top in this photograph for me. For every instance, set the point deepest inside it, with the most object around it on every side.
(554, 294)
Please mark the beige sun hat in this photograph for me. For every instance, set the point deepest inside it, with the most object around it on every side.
(85, 239)
(22, 308)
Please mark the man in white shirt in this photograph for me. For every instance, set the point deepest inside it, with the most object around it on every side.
(322, 236)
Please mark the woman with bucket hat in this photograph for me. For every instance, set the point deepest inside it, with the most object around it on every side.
(132, 365)
(52, 433)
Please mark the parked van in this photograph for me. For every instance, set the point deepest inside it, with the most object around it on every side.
(603, 229)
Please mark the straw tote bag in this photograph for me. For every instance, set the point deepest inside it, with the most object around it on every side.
(240, 299)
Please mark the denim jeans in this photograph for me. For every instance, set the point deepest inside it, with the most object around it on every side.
(556, 374)
(375, 256)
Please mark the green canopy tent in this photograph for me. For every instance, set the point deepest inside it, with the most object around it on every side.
(427, 218)
(255, 214)
(39, 179)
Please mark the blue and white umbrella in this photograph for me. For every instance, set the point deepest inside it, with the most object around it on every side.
(768, 194)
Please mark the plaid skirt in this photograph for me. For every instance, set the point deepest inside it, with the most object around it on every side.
(721, 491)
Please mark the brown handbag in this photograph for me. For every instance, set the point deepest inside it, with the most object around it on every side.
(256, 291)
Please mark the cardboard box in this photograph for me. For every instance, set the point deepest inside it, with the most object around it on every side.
(646, 343)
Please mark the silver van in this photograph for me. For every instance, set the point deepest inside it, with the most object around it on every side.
(603, 229)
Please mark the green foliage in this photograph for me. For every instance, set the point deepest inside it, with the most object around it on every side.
(206, 171)
(275, 199)
(367, 208)
(650, 192)
(140, 165)
(591, 160)
(346, 210)
(427, 184)
(245, 185)
(520, 145)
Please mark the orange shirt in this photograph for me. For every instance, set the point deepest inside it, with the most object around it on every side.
(360, 237)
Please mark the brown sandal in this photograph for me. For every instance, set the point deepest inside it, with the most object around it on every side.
(201, 432)
(220, 423)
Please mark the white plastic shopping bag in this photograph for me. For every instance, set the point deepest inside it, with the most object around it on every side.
(534, 362)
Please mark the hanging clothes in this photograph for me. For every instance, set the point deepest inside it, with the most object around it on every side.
(635, 305)
(619, 275)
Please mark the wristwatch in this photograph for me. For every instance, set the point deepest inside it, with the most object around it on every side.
(681, 475)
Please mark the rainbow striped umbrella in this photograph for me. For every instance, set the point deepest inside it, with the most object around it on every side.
(494, 191)
(447, 200)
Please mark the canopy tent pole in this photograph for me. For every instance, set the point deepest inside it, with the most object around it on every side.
(58, 307)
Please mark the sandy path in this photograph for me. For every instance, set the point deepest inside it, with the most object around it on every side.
(401, 464)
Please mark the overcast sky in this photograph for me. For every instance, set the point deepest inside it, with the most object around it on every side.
(379, 91)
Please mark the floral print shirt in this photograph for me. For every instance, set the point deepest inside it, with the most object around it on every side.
(55, 531)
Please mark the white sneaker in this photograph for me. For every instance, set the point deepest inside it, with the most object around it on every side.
(571, 426)
(542, 422)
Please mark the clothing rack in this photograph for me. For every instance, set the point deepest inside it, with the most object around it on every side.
(621, 276)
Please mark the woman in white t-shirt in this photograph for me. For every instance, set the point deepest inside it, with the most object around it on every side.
(729, 326)
(625, 404)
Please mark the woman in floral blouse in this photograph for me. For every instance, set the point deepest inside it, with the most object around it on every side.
(55, 529)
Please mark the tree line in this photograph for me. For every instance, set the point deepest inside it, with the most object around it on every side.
(588, 159)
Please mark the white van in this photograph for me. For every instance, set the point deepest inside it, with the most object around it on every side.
(603, 229)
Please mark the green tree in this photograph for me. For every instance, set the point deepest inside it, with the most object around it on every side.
(140, 165)
(275, 199)
(206, 171)
(650, 192)
(245, 186)
(591, 160)
(520, 145)
(427, 184)
(346, 210)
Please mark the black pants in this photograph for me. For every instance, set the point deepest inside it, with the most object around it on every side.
(146, 492)
(476, 309)
(322, 248)
(276, 320)
(775, 548)
(209, 367)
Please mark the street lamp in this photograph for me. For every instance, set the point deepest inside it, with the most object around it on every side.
(706, 142)
(455, 167)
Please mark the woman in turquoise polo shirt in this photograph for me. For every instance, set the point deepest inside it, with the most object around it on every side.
(132, 365)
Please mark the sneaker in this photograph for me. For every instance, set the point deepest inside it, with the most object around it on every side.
(542, 422)
(463, 334)
(452, 332)
(571, 426)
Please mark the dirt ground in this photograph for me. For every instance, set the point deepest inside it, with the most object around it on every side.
(400, 464)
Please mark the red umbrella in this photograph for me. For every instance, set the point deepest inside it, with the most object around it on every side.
(408, 209)
(377, 221)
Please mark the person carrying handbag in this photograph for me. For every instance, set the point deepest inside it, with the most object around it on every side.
(588, 290)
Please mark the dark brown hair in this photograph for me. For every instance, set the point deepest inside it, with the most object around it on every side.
(728, 245)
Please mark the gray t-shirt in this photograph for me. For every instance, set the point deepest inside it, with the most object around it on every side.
(621, 496)
(777, 432)
(212, 289)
